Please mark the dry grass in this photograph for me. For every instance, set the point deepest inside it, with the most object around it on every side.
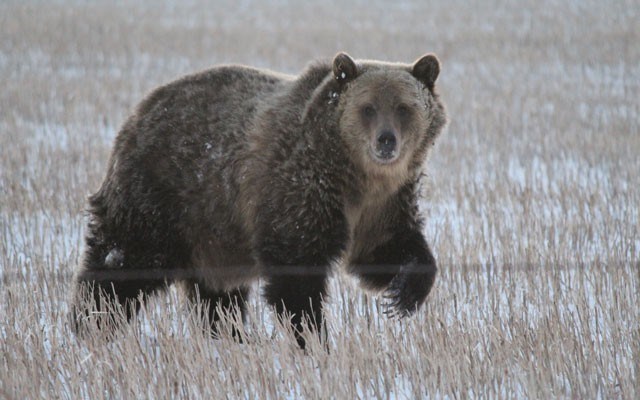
(533, 206)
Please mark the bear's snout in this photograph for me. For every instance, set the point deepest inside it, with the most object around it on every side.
(386, 146)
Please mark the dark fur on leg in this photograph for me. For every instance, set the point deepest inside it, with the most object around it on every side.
(377, 270)
(297, 252)
(101, 301)
(300, 296)
(213, 304)
(404, 267)
(130, 254)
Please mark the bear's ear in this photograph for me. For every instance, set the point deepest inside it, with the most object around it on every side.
(426, 70)
(344, 68)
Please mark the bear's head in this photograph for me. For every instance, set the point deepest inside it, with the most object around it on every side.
(389, 113)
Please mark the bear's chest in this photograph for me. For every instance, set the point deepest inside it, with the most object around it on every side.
(368, 226)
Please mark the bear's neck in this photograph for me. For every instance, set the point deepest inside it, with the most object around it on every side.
(372, 190)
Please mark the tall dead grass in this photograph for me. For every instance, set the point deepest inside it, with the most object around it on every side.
(532, 206)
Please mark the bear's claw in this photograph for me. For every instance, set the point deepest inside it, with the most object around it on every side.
(406, 292)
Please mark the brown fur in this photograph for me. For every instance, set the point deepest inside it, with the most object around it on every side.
(236, 173)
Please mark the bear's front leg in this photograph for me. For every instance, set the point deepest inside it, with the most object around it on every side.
(404, 268)
(409, 289)
(296, 254)
(298, 294)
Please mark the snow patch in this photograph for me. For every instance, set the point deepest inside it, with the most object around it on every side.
(115, 258)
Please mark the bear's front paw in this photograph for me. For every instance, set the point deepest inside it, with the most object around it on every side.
(408, 289)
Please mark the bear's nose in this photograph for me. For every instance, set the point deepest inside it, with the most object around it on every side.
(386, 144)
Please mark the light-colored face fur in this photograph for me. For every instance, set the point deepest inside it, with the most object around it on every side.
(385, 117)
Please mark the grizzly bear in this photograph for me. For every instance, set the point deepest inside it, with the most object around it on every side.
(235, 173)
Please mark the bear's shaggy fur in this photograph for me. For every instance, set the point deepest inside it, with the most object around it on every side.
(237, 173)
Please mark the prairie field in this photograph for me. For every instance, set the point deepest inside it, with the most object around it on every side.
(531, 204)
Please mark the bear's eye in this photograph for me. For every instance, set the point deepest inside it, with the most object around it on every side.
(368, 111)
(403, 111)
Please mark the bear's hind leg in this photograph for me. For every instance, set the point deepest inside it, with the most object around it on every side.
(214, 304)
(102, 295)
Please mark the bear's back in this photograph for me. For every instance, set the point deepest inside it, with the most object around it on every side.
(189, 128)
(172, 161)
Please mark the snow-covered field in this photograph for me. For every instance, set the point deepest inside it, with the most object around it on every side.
(532, 200)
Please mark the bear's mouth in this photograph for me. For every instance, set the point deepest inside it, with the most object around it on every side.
(385, 149)
(384, 158)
